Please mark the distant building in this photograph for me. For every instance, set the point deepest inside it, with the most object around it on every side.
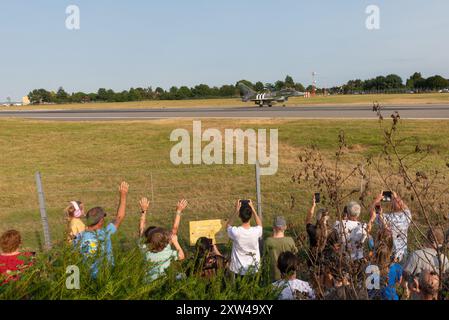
(26, 101)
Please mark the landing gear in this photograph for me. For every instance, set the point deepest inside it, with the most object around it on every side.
(270, 105)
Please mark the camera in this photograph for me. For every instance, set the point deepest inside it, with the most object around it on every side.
(317, 197)
(244, 203)
(387, 196)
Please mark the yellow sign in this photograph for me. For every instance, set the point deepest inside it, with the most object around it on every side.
(212, 229)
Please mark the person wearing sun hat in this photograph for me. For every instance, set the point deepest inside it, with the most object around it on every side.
(95, 242)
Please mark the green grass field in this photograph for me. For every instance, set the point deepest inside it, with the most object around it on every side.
(397, 99)
(86, 161)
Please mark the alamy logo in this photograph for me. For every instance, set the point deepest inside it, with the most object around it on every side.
(73, 279)
(189, 150)
(373, 19)
(372, 281)
(73, 20)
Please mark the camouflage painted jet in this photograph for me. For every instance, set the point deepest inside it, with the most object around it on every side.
(267, 98)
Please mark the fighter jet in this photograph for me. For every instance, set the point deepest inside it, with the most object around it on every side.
(268, 97)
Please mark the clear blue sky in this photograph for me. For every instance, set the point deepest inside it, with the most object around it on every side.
(134, 43)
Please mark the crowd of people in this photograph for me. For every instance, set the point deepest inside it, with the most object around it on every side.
(343, 259)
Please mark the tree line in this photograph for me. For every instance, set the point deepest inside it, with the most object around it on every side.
(393, 82)
(202, 91)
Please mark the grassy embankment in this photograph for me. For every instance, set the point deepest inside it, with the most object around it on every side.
(387, 99)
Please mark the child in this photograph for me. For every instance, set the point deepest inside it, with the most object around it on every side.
(95, 242)
(158, 242)
(208, 260)
(317, 233)
(278, 243)
(74, 213)
(389, 272)
(293, 289)
(12, 261)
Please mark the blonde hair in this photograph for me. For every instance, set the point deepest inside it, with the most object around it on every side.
(70, 210)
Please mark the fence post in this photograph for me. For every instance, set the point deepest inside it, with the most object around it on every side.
(43, 211)
(258, 191)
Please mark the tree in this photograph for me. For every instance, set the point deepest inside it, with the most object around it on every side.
(299, 87)
(201, 91)
(173, 93)
(61, 95)
(148, 93)
(279, 85)
(39, 96)
(134, 95)
(380, 83)
(393, 81)
(436, 83)
(102, 94)
(159, 91)
(184, 92)
(228, 91)
(289, 83)
(80, 97)
(353, 86)
(111, 96)
(416, 78)
(259, 86)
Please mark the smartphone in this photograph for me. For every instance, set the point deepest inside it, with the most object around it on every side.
(387, 196)
(317, 197)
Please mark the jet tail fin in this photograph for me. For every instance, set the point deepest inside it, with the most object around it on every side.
(246, 92)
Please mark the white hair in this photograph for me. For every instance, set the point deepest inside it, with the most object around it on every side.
(354, 209)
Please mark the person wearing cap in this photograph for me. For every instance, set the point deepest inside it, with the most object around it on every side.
(74, 212)
(95, 242)
(277, 244)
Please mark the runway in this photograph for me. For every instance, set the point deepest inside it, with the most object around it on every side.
(296, 112)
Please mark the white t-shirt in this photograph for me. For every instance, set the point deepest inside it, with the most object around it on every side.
(353, 235)
(398, 223)
(295, 290)
(245, 249)
(425, 259)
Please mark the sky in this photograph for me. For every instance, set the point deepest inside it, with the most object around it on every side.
(141, 43)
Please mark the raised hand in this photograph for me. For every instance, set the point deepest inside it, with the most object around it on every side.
(182, 204)
(144, 204)
(123, 189)
(379, 198)
(238, 205)
(251, 205)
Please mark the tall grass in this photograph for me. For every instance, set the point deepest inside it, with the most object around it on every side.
(46, 280)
